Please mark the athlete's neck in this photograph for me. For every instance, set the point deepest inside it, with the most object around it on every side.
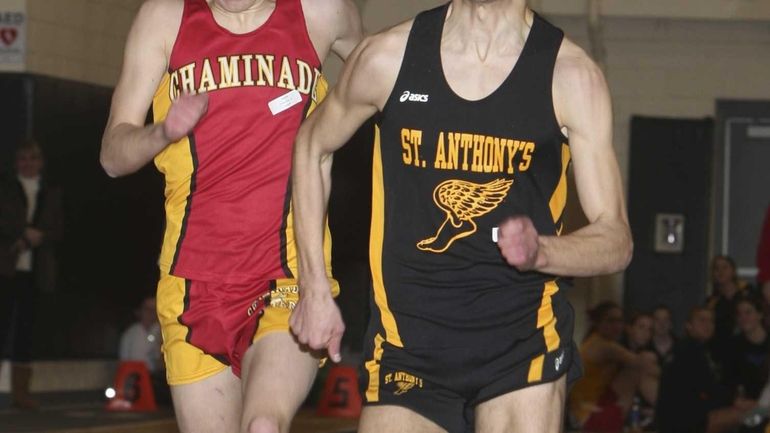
(488, 26)
(241, 16)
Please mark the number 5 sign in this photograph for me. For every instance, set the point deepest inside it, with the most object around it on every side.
(340, 397)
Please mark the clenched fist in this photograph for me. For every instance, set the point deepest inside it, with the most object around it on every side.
(518, 242)
(184, 114)
(316, 321)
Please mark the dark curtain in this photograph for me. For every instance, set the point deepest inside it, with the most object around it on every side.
(670, 172)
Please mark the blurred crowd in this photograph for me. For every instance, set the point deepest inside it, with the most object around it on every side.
(641, 376)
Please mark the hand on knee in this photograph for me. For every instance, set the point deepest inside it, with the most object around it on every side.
(261, 424)
(649, 363)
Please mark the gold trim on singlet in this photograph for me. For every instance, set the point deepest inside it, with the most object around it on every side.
(559, 198)
(547, 322)
(176, 164)
(375, 246)
(373, 367)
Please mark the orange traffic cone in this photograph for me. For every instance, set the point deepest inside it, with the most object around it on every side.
(133, 388)
(340, 397)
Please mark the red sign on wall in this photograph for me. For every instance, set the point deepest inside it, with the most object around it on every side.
(13, 28)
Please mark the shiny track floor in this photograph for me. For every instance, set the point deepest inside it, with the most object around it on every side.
(84, 413)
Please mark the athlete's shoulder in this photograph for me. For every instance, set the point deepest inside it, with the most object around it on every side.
(336, 17)
(385, 49)
(574, 65)
(328, 9)
(575, 69)
(161, 10)
(580, 91)
(372, 70)
(333, 24)
(159, 19)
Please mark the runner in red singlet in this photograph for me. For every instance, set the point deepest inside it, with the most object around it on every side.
(230, 82)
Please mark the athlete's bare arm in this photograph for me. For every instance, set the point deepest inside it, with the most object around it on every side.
(363, 89)
(334, 25)
(582, 104)
(127, 144)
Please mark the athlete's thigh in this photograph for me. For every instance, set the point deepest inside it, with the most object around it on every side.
(210, 405)
(277, 376)
(538, 408)
(395, 419)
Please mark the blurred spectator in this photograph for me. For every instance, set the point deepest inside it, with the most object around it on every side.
(763, 407)
(746, 370)
(691, 398)
(727, 289)
(30, 223)
(763, 252)
(638, 339)
(613, 375)
(638, 335)
(142, 342)
(765, 299)
(763, 265)
(663, 339)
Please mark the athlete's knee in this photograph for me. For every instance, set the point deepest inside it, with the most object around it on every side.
(263, 424)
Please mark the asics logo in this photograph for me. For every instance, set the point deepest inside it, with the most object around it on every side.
(559, 361)
(413, 97)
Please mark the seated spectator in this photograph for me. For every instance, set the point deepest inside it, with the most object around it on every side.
(142, 342)
(746, 371)
(763, 267)
(691, 398)
(763, 252)
(638, 335)
(663, 339)
(727, 289)
(638, 339)
(763, 408)
(600, 400)
(765, 300)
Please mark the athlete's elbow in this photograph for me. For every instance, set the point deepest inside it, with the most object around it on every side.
(302, 144)
(625, 252)
(307, 149)
(628, 254)
(108, 165)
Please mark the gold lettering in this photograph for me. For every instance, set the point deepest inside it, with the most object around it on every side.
(316, 80)
(454, 151)
(489, 154)
(466, 141)
(407, 154)
(305, 77)
(499, 152)
(526, 157)
(173, 86)
(478, 157)
(228, 72)
(513, 148)
(265, 69)
(247, 65)
(416, 140)
(207, 83)
(440, 158)
(287, 78)
(187, 74)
